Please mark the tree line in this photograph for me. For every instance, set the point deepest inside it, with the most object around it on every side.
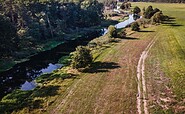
(26, 22)
(166, 1)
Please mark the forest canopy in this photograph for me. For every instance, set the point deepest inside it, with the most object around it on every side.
(32, 21)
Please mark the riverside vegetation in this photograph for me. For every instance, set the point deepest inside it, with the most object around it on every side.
(56, 87)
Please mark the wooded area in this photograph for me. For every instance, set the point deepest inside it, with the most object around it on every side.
(25, 23)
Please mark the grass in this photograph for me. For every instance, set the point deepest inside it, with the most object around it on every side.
(111, 86)
(50, 87)
(167, 57)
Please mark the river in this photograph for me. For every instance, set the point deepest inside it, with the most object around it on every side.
(22, 75)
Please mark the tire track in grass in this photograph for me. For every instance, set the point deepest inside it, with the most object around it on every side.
(141, 80)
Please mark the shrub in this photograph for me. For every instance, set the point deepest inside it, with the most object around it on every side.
(122, 6)
(65, 60)
(136, 10)
(157, 17)
(81, 58)
(112, 31)
(125, 5)
(121, 33)
(148, 12)
(135, 26)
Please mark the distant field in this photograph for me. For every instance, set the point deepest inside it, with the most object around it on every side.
(166, 62)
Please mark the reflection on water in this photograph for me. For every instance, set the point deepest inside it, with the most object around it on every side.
(23, 74)
(123, 24)
(29, 85)
(51, 68)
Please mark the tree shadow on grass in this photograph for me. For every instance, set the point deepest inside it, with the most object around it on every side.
(46, 91)
(130, 38)
(146, 31)
(101, 67)
(171, 22)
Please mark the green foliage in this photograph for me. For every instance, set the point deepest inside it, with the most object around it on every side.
(15, 101)
(121, 33)
(136, 10)
(98, 42)
(111, 31)
(150, 12)
(43, 20)
(81, 58)
(157, 17)
(135, 26)
(125, 5)
(65, 60)
(8, 37)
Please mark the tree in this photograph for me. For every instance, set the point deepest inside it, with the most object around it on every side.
(148, 13)
(135, 26)
(125, 5)
(112, 31)
(157, 17)
(121, 33)
(136, 10)
(81, 58)
(8, 37)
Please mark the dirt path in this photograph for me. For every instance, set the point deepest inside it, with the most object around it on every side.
(112, 86)
(142, 94)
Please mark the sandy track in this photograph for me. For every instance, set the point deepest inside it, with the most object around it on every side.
(141, 97)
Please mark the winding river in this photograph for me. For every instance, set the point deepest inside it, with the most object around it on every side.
(22, 75)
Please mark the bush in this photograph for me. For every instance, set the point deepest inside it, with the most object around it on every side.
(148, 12)
(65, 60)
(135, 26)
(81, 58)
(136, 10)
(125, 5)
(157, 17)
(112, 31)
(121, 33)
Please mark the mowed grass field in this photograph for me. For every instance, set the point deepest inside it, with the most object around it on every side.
(110, 87)
(166, 61)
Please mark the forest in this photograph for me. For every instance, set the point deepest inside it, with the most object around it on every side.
(27, 24)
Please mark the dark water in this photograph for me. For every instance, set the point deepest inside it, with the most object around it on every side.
(22, 75)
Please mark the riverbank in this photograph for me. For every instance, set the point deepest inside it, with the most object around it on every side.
(49, 85)
(25, 54)
(54, 90)
(9, 62)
